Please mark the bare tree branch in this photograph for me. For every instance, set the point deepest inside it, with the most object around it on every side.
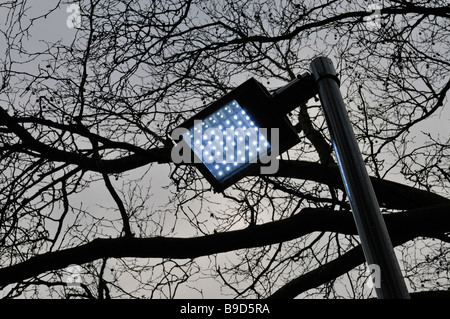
(402, 226)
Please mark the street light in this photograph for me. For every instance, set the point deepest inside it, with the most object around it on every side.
(251, 108)
(375, 240)
(239, 133)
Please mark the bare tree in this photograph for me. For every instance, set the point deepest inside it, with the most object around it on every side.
(86, 176)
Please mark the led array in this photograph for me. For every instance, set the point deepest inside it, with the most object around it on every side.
(227, 141)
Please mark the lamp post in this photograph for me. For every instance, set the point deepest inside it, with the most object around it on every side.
(372, 230)
(227, 138)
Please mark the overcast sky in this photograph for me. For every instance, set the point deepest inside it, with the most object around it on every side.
(54, 28)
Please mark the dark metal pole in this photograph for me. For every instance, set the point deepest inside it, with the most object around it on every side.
(372, 230)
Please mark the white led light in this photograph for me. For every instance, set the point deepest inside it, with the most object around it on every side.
(228, 151)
